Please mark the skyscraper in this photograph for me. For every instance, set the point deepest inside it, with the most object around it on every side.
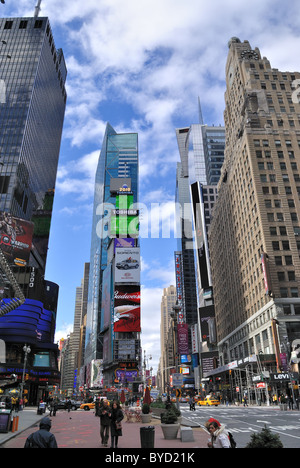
(32, 107)
(253, 239)
(114, 234)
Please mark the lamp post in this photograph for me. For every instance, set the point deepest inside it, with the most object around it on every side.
(286, 346)
(26, 350)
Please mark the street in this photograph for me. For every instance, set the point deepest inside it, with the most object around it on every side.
(243, 421)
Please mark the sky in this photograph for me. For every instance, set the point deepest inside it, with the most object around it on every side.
(141, 66)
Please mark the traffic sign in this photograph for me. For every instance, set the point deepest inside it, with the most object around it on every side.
(178, 393)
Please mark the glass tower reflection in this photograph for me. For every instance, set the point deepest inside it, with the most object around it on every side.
(32, 107)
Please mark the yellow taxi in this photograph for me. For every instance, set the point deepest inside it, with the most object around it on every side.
(208, 402)
(87, 406)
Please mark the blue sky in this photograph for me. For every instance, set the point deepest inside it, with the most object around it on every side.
(141, 65)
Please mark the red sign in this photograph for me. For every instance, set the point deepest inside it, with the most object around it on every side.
(127, 309)
(183, 338)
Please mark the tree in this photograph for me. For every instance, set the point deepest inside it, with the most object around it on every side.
(264, 439)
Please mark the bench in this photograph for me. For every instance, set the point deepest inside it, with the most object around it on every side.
(186, 434)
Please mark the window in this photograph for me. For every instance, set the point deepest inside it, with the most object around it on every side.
(280, 275)
(294, 292)
(273, 231)
(278, 260)
(283, 292)
(285, 245)
(8, 25)
(291, 276)
(288, 260)
(275, 245)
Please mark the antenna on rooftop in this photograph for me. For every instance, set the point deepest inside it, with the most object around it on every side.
(37, 9)
(200, 112)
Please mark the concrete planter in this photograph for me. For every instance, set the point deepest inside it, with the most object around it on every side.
(146, 418)
(170, 431)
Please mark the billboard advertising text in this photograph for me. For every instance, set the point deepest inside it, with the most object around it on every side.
(127, 309)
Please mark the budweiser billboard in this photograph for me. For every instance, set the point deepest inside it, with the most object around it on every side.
(127, 309)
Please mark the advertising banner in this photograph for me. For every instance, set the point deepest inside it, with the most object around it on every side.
(106, 297)
(127, 266)
(183, 338)
(127, 309)
(15, 238)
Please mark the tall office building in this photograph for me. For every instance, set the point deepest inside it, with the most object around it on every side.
(73, 356)
(32, 107)
(168, 301)
(115, 249)
(254, 244)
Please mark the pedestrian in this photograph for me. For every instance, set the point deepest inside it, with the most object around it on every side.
(105, 420)
(245, 401)
(116, 425)
(218, 434)
(69, 405)
(42, 438)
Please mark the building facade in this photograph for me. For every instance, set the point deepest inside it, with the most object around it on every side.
(115, 250)
(256, 273)
(32, 107)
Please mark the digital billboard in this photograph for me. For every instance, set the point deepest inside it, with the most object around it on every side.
(15, 238)
(127, 308)
(127, 265)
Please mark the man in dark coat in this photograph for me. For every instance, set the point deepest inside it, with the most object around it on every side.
(105, 415)
(43, 437)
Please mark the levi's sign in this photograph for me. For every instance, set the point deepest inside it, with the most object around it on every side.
(284, 376)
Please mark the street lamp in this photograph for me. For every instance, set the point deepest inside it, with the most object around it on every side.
(286, 346)
(26, 350)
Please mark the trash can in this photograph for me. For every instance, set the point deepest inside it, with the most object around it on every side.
(147, 434)
(5, 420)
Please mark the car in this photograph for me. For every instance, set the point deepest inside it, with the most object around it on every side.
(128, 263)
(208, 402)
(87, 406)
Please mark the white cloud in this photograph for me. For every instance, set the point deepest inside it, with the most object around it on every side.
(63, 331)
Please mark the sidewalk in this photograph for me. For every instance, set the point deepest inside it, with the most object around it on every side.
(27, 418)
(130, 439)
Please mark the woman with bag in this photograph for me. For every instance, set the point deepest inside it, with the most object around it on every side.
(116, 425)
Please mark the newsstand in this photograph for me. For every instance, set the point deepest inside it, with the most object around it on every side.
(147, 434)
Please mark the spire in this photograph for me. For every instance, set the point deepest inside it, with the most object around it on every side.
(37, 9)
(200, 112)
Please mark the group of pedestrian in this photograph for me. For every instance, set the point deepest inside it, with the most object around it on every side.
(110, 421)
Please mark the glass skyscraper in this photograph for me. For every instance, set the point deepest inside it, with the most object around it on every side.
(117, 167)
(32, 108)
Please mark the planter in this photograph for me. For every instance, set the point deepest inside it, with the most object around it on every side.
(158, 411)
(283, 406)
(146, 418)
(170, 431)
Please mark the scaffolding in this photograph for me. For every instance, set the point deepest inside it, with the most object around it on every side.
(7, 277)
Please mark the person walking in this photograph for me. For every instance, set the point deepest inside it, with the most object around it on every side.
(116, 425)
(104, 412)
(42, 438)
(218, 434)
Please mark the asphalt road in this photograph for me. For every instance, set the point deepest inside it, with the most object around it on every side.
(242, 422)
